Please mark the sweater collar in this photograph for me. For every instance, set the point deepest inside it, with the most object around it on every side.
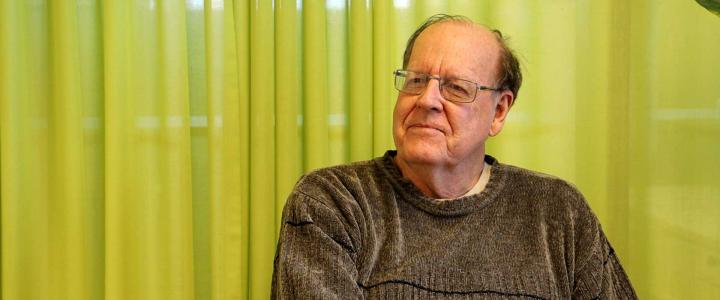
(447, 208)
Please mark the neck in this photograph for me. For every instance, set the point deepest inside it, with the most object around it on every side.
(441, 182)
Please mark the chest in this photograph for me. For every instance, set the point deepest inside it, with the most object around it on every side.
(484, 256)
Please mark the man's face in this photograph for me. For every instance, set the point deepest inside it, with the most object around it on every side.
(430, 130)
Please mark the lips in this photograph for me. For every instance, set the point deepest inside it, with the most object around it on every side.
(425, 126)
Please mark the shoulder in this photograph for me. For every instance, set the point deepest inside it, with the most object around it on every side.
(550, 200)
(542, 188)
(339, 181)
(334, 200)
(563, 213)
(345, 190)
(536, 180)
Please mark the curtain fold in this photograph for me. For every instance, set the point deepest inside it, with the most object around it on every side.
(148, 197)
(147, 147)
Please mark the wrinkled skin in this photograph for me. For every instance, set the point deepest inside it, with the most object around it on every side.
(441, 144)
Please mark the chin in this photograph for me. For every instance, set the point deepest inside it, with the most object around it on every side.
(422, 149)
(422, 155)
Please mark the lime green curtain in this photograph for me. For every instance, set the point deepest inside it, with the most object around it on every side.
(147, 146)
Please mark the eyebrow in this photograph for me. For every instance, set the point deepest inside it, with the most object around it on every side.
(446, 76)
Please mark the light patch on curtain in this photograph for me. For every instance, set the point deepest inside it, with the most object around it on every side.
(195, 4)
(153, 122)
(200, 4)
(669, 114)
(333, 120)
(337, 120)
(91, 122)
(401, 3)
(336, 4)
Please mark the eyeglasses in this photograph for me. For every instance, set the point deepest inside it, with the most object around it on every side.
(452, 89)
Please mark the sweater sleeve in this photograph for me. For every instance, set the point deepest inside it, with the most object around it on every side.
(315, 256)
(601, 276)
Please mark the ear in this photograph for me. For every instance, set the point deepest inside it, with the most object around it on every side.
(502, 108)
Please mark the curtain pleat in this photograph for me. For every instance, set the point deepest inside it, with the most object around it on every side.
(147, 147)
(288, 99)
(242, 40)
(262, 148)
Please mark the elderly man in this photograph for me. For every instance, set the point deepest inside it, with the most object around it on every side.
(439, 218)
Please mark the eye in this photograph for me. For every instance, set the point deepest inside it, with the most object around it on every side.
(415, 81)
(458, 89)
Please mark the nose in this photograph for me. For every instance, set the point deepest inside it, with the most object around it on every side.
(431, 98)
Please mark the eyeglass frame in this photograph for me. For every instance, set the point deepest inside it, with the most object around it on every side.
(441, 80)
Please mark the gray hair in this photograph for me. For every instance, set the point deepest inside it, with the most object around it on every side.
(510, 74)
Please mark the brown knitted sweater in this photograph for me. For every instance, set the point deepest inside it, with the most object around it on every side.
(362, 231)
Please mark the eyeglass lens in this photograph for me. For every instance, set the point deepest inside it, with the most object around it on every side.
(452, 89)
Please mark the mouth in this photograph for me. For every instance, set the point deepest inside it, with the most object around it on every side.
(425, 127)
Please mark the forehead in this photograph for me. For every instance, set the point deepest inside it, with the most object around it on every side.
(455, 48)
